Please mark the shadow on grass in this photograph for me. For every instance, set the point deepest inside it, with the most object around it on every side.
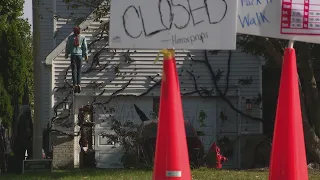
(144, 174)
(65, 174)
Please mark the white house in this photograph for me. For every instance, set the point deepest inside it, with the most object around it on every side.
(131, 73)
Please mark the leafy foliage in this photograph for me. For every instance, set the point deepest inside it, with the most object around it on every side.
(5, 105)
(15, 56)
(202, 117)
(11, 9)
(125, 135)
(307, 55)
(13, 62)
(263, 47)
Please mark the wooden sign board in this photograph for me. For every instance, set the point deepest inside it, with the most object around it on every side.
(36, 165)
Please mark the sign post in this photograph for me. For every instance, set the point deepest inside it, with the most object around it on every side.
(290, 44)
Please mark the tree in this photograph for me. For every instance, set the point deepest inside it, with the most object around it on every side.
(307, 60)
(25, 34)
(5, 105)
(15, 52)
(12, 61)
(11, 9)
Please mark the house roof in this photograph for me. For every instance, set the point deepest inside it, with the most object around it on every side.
(58, 49)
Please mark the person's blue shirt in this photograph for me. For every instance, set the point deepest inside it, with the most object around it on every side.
(81, 50)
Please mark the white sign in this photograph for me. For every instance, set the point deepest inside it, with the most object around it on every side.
(263, 18)
(179, 24)
(301, 17)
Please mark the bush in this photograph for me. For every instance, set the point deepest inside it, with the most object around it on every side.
(125, 134)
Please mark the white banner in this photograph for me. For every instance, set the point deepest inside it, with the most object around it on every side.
(280, 19)
(179, 24)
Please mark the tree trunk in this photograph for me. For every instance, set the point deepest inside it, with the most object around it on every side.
(311, 139)
(310, 103)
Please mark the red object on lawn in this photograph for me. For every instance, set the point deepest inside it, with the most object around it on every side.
(219, 157)
(171, 155)
(288, 156)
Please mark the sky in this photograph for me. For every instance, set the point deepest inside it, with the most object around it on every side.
(27, 10)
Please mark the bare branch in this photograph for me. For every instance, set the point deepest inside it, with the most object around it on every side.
(195, 84)
(221, 94)
(228, 74)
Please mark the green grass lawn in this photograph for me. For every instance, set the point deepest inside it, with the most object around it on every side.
(95, 174)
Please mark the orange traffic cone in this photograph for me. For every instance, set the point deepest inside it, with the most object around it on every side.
(288, 157)
(171, 156)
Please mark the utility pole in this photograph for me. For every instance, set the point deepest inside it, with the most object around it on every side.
(37, 125)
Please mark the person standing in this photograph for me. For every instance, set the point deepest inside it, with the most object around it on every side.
(77, 47)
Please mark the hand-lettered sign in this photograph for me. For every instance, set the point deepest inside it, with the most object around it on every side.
(265, 18)
(179, 24)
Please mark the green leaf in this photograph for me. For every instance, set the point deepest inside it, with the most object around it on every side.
(157, 58)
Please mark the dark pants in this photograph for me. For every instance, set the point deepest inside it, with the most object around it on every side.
(76, 63)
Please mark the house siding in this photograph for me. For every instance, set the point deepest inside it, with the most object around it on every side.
(142, 67)
(54, 32)
(55, 25)
(56, 21)
(242, 65)
(67, 17)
